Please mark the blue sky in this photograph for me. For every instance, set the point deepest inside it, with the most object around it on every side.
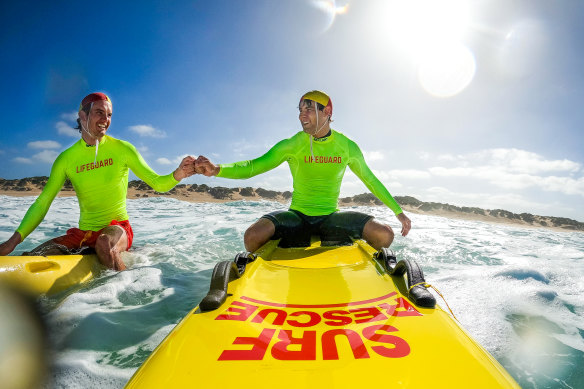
(474, 103)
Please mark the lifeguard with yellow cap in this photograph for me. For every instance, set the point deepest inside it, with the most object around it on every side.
(97, 165)
(318, 157)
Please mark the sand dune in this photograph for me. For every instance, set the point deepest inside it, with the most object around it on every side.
(32, 186)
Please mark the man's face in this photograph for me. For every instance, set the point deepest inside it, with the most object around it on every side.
(100, 118)
(307, 116)
(312, 121)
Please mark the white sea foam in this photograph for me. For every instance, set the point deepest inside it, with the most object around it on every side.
(517, 291)
(81, 370)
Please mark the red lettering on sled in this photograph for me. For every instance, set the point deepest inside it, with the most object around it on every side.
(256, 353)
(313, 319)
(283, 350)
(401, 347)
(329, 345)
(278, 319)
(239, 314)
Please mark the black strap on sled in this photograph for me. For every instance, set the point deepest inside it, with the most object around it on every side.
(417, 292)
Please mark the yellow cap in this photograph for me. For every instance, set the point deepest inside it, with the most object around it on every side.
(320, 97)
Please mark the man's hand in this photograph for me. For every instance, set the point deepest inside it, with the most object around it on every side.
(185, 169)
(206, 167)
(405, 222)
(9, 246)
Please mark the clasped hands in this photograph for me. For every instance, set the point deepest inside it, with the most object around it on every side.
(190, 166)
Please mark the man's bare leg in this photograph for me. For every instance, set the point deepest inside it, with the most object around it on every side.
(112, 241)
(377, 235)
(258, 234)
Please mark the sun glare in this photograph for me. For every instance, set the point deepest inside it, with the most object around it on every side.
(419, 24)
(523, 48)
(429, 33)
(330, 9)
(447, 70)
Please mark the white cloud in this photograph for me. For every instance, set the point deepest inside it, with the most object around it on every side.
(424, 155)
(175, 161)
(147, 130)
(179, 159)
(485, 200)
(444, 195)
(522, 161)
(47, 156)
(514, 169)
(409, 174)
(65, 129)
(504, 179)
(452, 172)
(244, 149)
(448, 157)
(352, 185)
(71, 116)
(27, 161)
(144, 150)
(509, 201)
(277, 179)
(511, 160)
(44, 144)
(371, 156)
(397, 176)
(565, 185)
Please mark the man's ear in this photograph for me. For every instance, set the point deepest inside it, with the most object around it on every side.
(328, 111)
(82, 116)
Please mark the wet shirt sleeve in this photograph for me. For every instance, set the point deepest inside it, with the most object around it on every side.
(246, 169)
(139, 166)
(359, 167)
(37, 211)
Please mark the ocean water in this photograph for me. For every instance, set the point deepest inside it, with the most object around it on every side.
(519, 292)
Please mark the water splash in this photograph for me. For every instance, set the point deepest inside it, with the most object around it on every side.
(517, 291)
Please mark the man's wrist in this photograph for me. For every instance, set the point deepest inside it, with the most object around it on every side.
(15, 239)
(178, 174)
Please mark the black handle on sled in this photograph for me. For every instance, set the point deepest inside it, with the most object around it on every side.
(223, 273)
(418, 294)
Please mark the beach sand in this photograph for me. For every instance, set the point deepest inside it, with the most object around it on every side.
(203, 193)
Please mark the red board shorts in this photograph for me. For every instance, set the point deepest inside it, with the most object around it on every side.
(76, 238)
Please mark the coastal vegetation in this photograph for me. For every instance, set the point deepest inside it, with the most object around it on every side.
(202, 192)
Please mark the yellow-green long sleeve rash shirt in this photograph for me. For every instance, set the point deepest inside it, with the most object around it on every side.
(100, 182)
(317, 181)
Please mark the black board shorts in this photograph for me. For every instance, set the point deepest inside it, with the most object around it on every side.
(294, 229)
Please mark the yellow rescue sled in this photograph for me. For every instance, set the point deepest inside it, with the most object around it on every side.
(48, 275)
(319, 317)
